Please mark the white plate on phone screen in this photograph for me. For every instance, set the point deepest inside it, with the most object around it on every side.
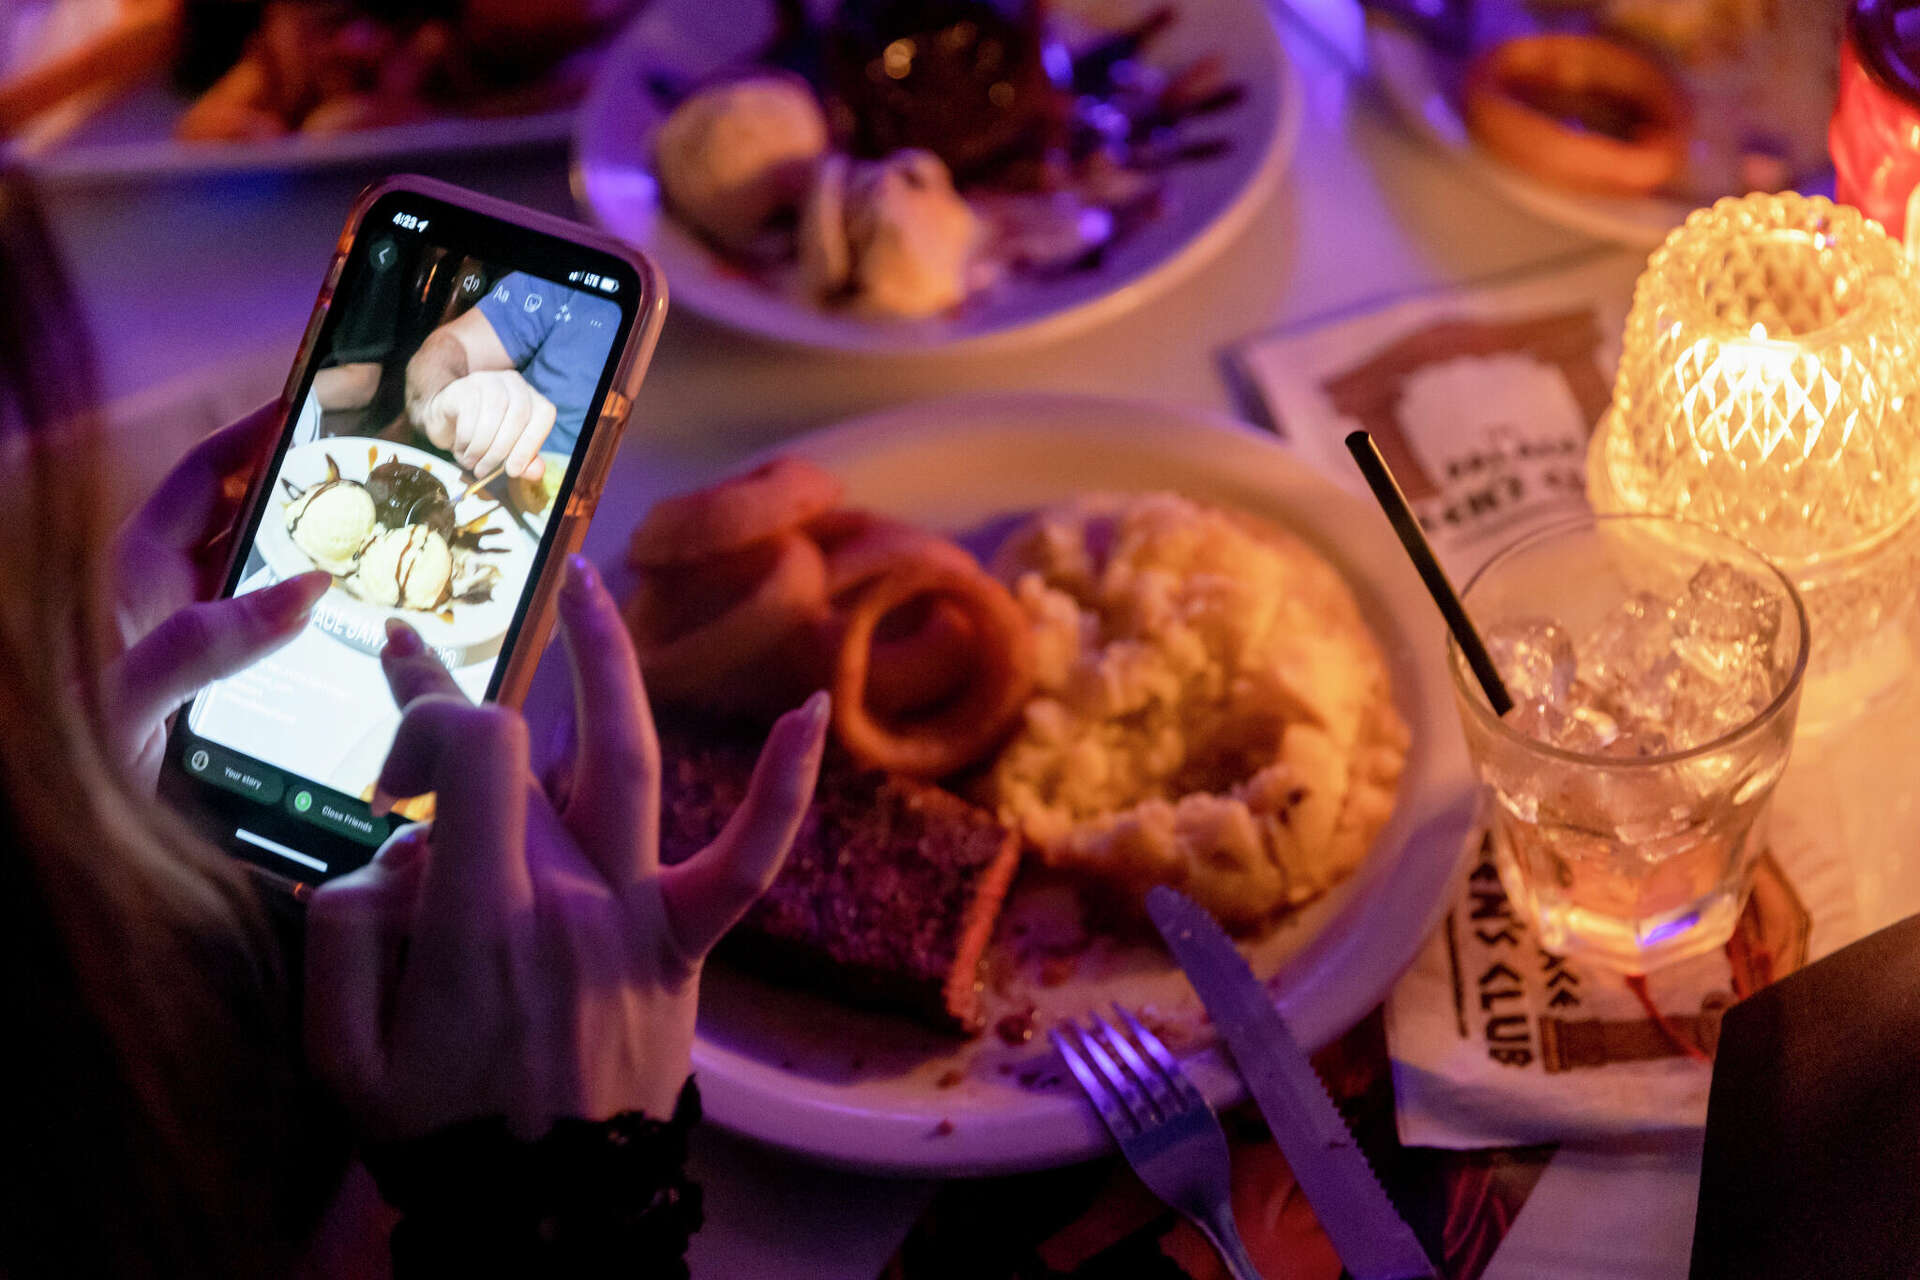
(876, 1092)
(1209, 201)
(468, 632)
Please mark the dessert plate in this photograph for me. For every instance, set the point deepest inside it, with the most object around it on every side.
(463, 632)
(1421, 86)
(877, 1092)
(1209, 201)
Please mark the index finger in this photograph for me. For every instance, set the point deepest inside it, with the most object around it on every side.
(191, 504)
(526, 451)
(412, 669)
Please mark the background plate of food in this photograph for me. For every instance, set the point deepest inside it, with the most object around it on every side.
(1213, 658)
(104, 89)
(902, 175)
(403, 537)
(1617, 118)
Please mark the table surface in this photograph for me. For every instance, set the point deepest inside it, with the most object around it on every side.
(179, 275)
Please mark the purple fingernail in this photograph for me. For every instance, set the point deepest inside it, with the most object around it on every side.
(294, 599)
(402, 640)
(581, 575)
(381, 804)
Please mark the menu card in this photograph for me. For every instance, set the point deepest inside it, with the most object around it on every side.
(1483, 401)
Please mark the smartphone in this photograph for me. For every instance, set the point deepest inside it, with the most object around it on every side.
(479, 316)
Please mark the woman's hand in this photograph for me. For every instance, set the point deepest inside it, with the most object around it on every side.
(169, 555)
(511, 959)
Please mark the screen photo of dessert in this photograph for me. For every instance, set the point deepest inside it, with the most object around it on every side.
(424, 459)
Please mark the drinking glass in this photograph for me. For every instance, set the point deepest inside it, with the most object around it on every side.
(1634, 850)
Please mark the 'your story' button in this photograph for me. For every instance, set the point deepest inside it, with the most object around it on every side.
(240, 776)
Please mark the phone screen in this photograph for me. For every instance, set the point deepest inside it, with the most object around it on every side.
(446, 328)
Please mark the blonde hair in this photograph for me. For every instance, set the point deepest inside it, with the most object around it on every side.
(158, 1122)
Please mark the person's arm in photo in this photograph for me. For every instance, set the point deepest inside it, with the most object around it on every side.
(465, 393)
(347, 386)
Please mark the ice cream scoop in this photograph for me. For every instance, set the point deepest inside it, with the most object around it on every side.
(733, 155)
(411, 568)
(329, 521)
(894, 235)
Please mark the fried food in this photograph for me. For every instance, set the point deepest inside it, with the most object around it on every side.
(765, 502)
(961, 731)
(1211, 710)
(1582, 111)
(921, 656)
(861, 545)
(710, 634)
(758, 590)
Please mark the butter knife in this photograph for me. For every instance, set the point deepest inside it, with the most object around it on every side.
(1367, 1232)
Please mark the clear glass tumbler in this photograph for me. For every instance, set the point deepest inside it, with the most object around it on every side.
(1632, 841)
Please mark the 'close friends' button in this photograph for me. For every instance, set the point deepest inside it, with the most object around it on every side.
(332, 812)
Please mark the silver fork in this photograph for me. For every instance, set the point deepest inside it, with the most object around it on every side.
(1164, 1126)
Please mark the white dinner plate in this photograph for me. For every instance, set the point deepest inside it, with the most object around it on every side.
(875, 1092)
(131, 137)
(1418, 83)
(1210, 200)
(474, 630)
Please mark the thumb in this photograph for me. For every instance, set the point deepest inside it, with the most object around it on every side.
(714, 888)
(203, 643)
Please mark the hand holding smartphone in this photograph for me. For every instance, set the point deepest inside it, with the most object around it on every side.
(449, 420)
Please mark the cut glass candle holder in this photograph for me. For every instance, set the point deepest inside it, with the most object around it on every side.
(1769, 386)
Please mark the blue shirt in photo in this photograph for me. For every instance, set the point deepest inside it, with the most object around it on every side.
(559, 339)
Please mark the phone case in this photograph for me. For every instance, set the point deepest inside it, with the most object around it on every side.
(519, 663)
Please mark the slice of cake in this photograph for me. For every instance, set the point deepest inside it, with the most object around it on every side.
(889, 897)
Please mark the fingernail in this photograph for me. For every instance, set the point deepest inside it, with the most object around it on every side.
(403, 848)
(581, 576)
(294, 599)
(402, 640)
(382, 804)
(817, 708)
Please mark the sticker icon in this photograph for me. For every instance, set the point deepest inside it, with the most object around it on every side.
(532, 303)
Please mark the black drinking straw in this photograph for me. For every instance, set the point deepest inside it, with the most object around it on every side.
(1386, 490)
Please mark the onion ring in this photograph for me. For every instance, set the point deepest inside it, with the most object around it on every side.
(698, 626)
(770, 500)
(862, 545)
(1515, 97)
(924, 666)
(970, 725)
